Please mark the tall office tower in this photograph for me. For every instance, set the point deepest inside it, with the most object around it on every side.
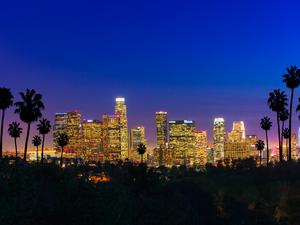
(219, 138)
(238, 132)
(137, 136)
(182, 141)
(251, 141)
(111, 137)
(236, 150)
(74, 132)
(60, 126)
(200, 148)
(121, 111)
(161, 137)
(91, 139)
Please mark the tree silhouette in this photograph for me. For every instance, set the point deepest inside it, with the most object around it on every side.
(36, 141)
(62, 141)
(260, 145)
(44, 128)
(266, 125)
(29, 110)
(292, 81)
(283, 116)
(277, 102)
(286, 135)
(15, 131)
(141, 150)
(6, 100)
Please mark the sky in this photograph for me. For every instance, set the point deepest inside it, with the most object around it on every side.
(197, 60)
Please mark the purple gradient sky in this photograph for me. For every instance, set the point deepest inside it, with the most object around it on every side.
(198, 60)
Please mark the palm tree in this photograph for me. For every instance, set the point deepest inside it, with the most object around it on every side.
(266, 124)
(277, 102)
(292, 81)
(141, 150)
(29, 110)
(283, 116)
(260, 145)
(62, 141)
(6, 100)
(44, 128)
(36, 141)
(15, 131)
(286, 135)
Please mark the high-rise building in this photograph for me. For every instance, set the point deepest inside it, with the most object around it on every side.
(121, 111)
(299, 137)
(236, 150)
(137, 136)
(91, 139)
(238, 132)
(200, 148)
(219, 138)
(60, 126)
(161, 152)
(251, 141)
(111, 137)
(294, 148)
(182, 141)
(74, 132)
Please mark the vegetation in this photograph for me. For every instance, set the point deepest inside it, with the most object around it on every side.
(266, 125)
(15, 132)
(141, 150)
(36, 141)
(44, 128)
(260, 145)
(62, 141)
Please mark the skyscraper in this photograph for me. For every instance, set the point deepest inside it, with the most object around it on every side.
(60, 126)
(238, 132)
(137, 136)
(121, 111)
(111, 137)
(200, 148)
(74, 132)
(161, 151)
(182, 141)
(219, 138)
(91, 139)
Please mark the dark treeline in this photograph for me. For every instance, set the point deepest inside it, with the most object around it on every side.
(245, 194)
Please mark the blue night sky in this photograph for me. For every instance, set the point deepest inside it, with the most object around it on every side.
(195, 59)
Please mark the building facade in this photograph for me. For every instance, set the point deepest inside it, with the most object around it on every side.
(200, 148)
(219, 138)
(161, 151)
(137, 136)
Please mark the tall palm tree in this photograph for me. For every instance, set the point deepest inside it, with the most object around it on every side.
(15, 132)
(36, 141)
(286, 135)
(292, 81)
(44, 128)
(6, 100)
(283, 116)
(260, 145)
(266, 124)
(277, 102)
(141, 150)
(29, 110)
(62, 140)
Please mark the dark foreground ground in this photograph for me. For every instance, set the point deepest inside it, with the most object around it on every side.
(135, 195)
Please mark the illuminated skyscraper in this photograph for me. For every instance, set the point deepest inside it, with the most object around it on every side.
(74, 132)
(219, 138)
(91, 139)
(236, 150)
(60, 126)
(200, 148)
(299, 137)
(161, 137)
(137, 136)
(182, 141)
(121, 111)
(238, 132)
(251, 141)
(111, 137)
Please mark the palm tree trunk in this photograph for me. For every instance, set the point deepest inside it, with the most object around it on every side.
(286, 149)
(279, 139)
(290, 126)
(141, 158)
(42, 156)
(26, 142)
(61, 157)
(16, 148)
(282, 139)
(1, 134)
(267, 140)
(37, 154)
(260, 156)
